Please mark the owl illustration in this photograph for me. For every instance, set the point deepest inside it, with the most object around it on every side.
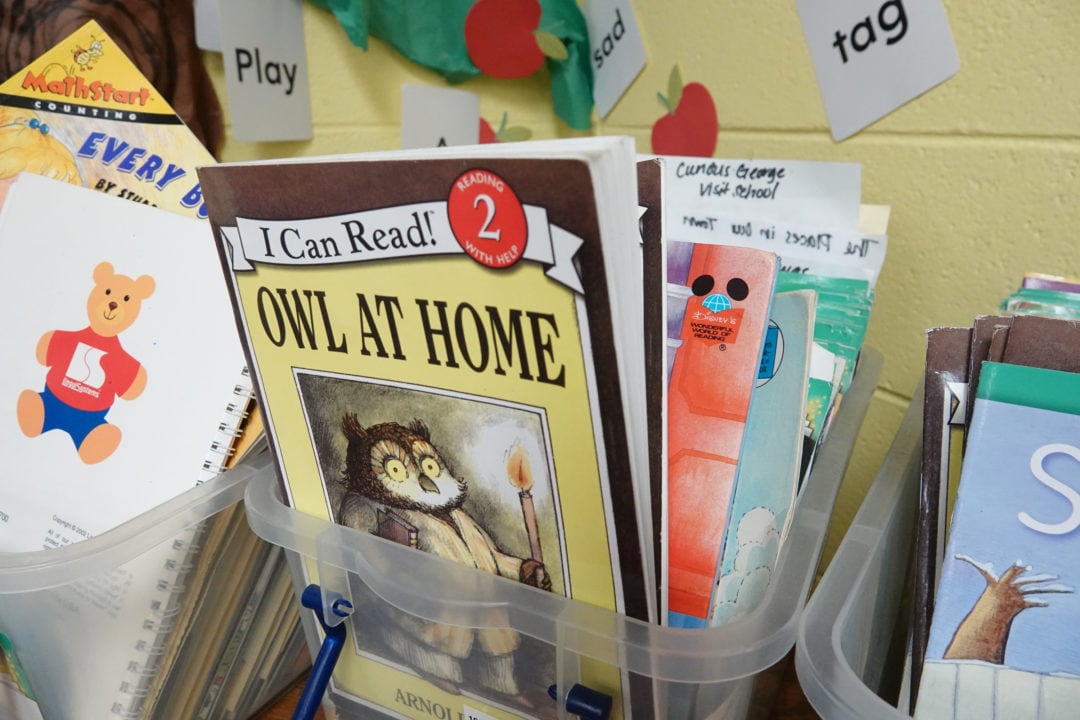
(399, 486)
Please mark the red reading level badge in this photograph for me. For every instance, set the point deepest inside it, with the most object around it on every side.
(487, 218)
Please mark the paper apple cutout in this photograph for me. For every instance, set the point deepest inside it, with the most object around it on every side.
(504, 39)
(503, 134)
(690, 125)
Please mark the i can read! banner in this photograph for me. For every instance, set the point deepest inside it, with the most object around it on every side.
(417, 229)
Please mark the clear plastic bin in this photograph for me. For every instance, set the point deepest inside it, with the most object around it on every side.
(851, 647)
(55, 605)
(713, 673)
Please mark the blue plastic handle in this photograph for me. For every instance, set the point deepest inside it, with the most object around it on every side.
(323, 667)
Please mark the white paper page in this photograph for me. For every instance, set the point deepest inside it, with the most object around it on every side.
(795, 191)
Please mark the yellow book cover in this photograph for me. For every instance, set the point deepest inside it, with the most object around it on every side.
(434, 351)
(82, 112)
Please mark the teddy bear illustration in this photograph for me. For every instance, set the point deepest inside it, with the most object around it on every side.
(88, 369)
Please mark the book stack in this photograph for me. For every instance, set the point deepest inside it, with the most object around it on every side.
(996, 576)
(513, 357)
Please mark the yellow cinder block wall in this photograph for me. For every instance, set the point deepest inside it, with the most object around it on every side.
(982, 172)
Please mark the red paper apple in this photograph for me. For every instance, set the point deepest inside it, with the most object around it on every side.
(503, 134)
(503, 38)
(690, 125)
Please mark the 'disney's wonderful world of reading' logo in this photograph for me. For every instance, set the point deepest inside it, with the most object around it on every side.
(487, 218)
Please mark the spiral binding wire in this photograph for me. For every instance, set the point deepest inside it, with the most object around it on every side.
(172, 589)
(159, 623)
(229, 428)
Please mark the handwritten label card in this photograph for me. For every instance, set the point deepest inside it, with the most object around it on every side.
(618, 54)
(872, 56)
(266, 80)
(434, 116)
(806, 212)
(820, 193)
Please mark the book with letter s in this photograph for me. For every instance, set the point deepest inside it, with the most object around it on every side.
(1003, 640)
(446, 349)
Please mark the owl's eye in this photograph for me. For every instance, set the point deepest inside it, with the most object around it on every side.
(430, 466)
(395, 469)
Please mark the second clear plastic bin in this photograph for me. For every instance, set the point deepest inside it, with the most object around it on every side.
(725, 672)
(852, 637)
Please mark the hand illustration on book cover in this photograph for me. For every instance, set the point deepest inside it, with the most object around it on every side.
(89, 369)
(984, 632)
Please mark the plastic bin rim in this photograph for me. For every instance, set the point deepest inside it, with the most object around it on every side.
(48, 568)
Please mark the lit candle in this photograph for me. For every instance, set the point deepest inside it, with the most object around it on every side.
(519, 471)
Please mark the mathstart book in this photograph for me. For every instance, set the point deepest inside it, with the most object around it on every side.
(437, 341)
(83, 113)
(1004, 637)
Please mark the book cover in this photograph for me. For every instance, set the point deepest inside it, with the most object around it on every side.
(767, 481)
(1004, 637)
(434, 332)
(1046, 342)
(983, 330)
(945, 388)
(650, 177)
(719, 300)
(83, 113)
(118, 371)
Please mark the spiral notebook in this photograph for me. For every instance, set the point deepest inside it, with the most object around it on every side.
(124, 386)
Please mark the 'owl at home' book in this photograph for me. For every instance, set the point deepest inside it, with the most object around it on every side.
(1004, 637)
(441, 342)
(719, 301)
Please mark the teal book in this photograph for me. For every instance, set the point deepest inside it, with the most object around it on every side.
(767, 480)
(1005, 635)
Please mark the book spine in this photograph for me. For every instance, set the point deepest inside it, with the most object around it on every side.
(229, 428)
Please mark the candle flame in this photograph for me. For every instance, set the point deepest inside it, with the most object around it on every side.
(518, 469)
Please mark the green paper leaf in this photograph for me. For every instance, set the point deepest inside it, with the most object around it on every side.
(550, 45)
(674, 89)
(516, 133)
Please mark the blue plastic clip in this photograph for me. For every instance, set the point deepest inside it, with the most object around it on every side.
(585, 702)
(324, 663)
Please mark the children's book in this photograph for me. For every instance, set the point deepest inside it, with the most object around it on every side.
(719, 300)
(1004, 634)
(83, 113)
(454, 335)
(767, 481)
(120, 372)
(651, 224)
(983, 330)
(945, 388)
